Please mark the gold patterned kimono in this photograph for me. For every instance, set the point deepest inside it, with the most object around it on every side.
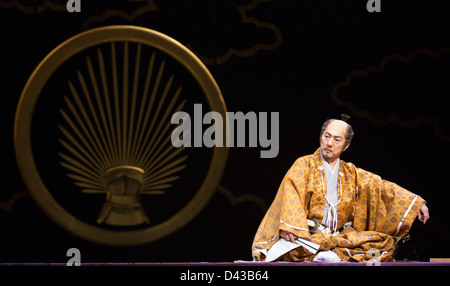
(381, 212)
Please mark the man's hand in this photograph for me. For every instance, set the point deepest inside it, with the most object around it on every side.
(423, 214)
(287, 235)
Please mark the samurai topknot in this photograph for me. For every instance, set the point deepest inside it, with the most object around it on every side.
(345, 117)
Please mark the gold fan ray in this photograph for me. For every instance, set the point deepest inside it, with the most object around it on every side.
(117, 113)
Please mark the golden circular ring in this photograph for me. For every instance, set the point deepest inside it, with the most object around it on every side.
(23, 121)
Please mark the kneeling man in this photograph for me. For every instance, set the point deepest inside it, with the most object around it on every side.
(329, 210)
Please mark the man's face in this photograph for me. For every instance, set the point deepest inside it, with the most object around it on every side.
(332, 141)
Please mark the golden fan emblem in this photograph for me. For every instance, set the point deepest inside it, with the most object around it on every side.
(104, 99)
(120, 146)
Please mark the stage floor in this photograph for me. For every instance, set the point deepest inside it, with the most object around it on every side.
(237, 264)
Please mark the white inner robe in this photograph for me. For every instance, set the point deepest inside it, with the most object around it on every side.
(331, 176)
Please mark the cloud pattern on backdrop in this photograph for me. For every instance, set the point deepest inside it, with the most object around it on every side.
(221, 29)
(406, 90)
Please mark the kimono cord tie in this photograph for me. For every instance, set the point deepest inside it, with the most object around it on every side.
(331, 220)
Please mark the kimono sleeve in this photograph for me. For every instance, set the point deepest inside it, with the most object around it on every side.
(384, 206)
(287, 211)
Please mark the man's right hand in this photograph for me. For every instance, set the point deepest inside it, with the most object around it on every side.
(287, 235)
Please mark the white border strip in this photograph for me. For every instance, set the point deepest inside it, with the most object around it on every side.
(299, 228)
(406, 213)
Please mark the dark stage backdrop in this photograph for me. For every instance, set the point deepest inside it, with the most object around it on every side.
(307, 60)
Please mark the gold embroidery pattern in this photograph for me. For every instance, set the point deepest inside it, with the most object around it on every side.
(376, 210)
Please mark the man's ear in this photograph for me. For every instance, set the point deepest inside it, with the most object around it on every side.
(346, 147)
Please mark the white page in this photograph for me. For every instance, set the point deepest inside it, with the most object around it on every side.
(283, 246)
